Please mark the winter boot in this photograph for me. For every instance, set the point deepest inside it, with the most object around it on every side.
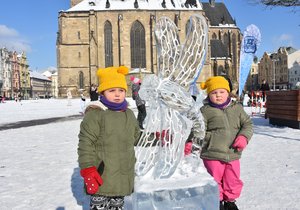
(230, 206)
(222, 205)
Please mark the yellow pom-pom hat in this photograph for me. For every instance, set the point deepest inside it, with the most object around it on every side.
(214, 83)
(112, 77)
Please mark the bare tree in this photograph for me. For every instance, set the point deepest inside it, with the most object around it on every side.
(293, 4)
(282, 3)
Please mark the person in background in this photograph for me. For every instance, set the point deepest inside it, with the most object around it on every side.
(264, 87)
(140, 103)
(108, 133)
(69, 97)
(82, 102)
(228, 131)
(94, 93)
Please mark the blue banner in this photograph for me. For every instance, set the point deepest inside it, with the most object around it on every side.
(250, 43)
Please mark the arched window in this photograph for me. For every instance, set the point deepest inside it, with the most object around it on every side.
(214, 36)
(137, 45)
(108, 44)
(226, 42)
(215, 67)
(81, 80)
(234, 55)
(221, 71)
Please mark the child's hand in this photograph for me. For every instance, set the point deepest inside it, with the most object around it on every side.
(92, 179)
(240, 143)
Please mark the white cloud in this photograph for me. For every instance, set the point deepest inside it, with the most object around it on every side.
(284, 40)
(11, 39)
(285, 37)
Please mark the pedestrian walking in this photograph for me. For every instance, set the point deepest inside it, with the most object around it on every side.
(264, 87)
(82, 102)
(140, 103)
(69, 97)
(94, 93)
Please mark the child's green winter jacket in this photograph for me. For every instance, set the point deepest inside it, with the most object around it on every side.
(222, 127)
(106, 140)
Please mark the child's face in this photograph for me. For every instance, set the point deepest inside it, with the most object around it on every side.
(115, 95)
(218, 96)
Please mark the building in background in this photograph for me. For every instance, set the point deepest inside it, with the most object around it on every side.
(225, 41)
(15, 67)
(252, 83)
(277, 68)
(103, 33)
(51, 74)
(294, 69)
(40, 86)
(24, 76)
(11, 63)
(16, 80)
(5, 73)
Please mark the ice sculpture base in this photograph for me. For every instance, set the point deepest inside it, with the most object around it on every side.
(188, 189)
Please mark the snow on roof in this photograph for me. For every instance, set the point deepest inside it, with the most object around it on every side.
(37, 75)
(100, 5)
(47, 74)
(293, 57)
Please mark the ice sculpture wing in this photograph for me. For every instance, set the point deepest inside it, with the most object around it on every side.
(167, 45)
(192, 57)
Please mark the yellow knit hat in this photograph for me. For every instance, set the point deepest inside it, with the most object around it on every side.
(214, 83)
(112, 77)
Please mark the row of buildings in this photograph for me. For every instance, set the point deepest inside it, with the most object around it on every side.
(18, 81)
(281, 70)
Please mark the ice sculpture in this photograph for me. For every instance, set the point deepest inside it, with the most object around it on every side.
(166, 179)
(172, 112)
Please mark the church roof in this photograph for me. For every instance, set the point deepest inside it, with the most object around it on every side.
(218, 49)
(106, 5)
(218, 14)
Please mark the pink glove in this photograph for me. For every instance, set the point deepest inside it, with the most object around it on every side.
(188, 148)
(240, 143)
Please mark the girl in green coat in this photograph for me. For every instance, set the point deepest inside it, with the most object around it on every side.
(107, 137)
(228, 131)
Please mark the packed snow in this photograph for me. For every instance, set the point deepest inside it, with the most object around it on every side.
(39, 169)
(98, 5)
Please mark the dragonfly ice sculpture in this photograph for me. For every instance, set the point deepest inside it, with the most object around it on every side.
(172, 112)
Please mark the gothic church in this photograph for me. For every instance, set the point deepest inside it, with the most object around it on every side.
(102, 33)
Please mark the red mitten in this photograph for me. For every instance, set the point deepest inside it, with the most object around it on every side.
(188, 148)
(92, 179)
(240, 142)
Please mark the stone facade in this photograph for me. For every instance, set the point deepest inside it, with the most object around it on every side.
(277, 68)
(24, 76)
(81, 47)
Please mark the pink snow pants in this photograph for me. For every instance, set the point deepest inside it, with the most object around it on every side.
(227, 175)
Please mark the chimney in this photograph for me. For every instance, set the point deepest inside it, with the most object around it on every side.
(212, 3)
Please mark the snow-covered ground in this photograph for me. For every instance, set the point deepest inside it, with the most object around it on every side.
(39, 170)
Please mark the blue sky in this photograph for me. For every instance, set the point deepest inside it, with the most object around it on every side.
(31, 25)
